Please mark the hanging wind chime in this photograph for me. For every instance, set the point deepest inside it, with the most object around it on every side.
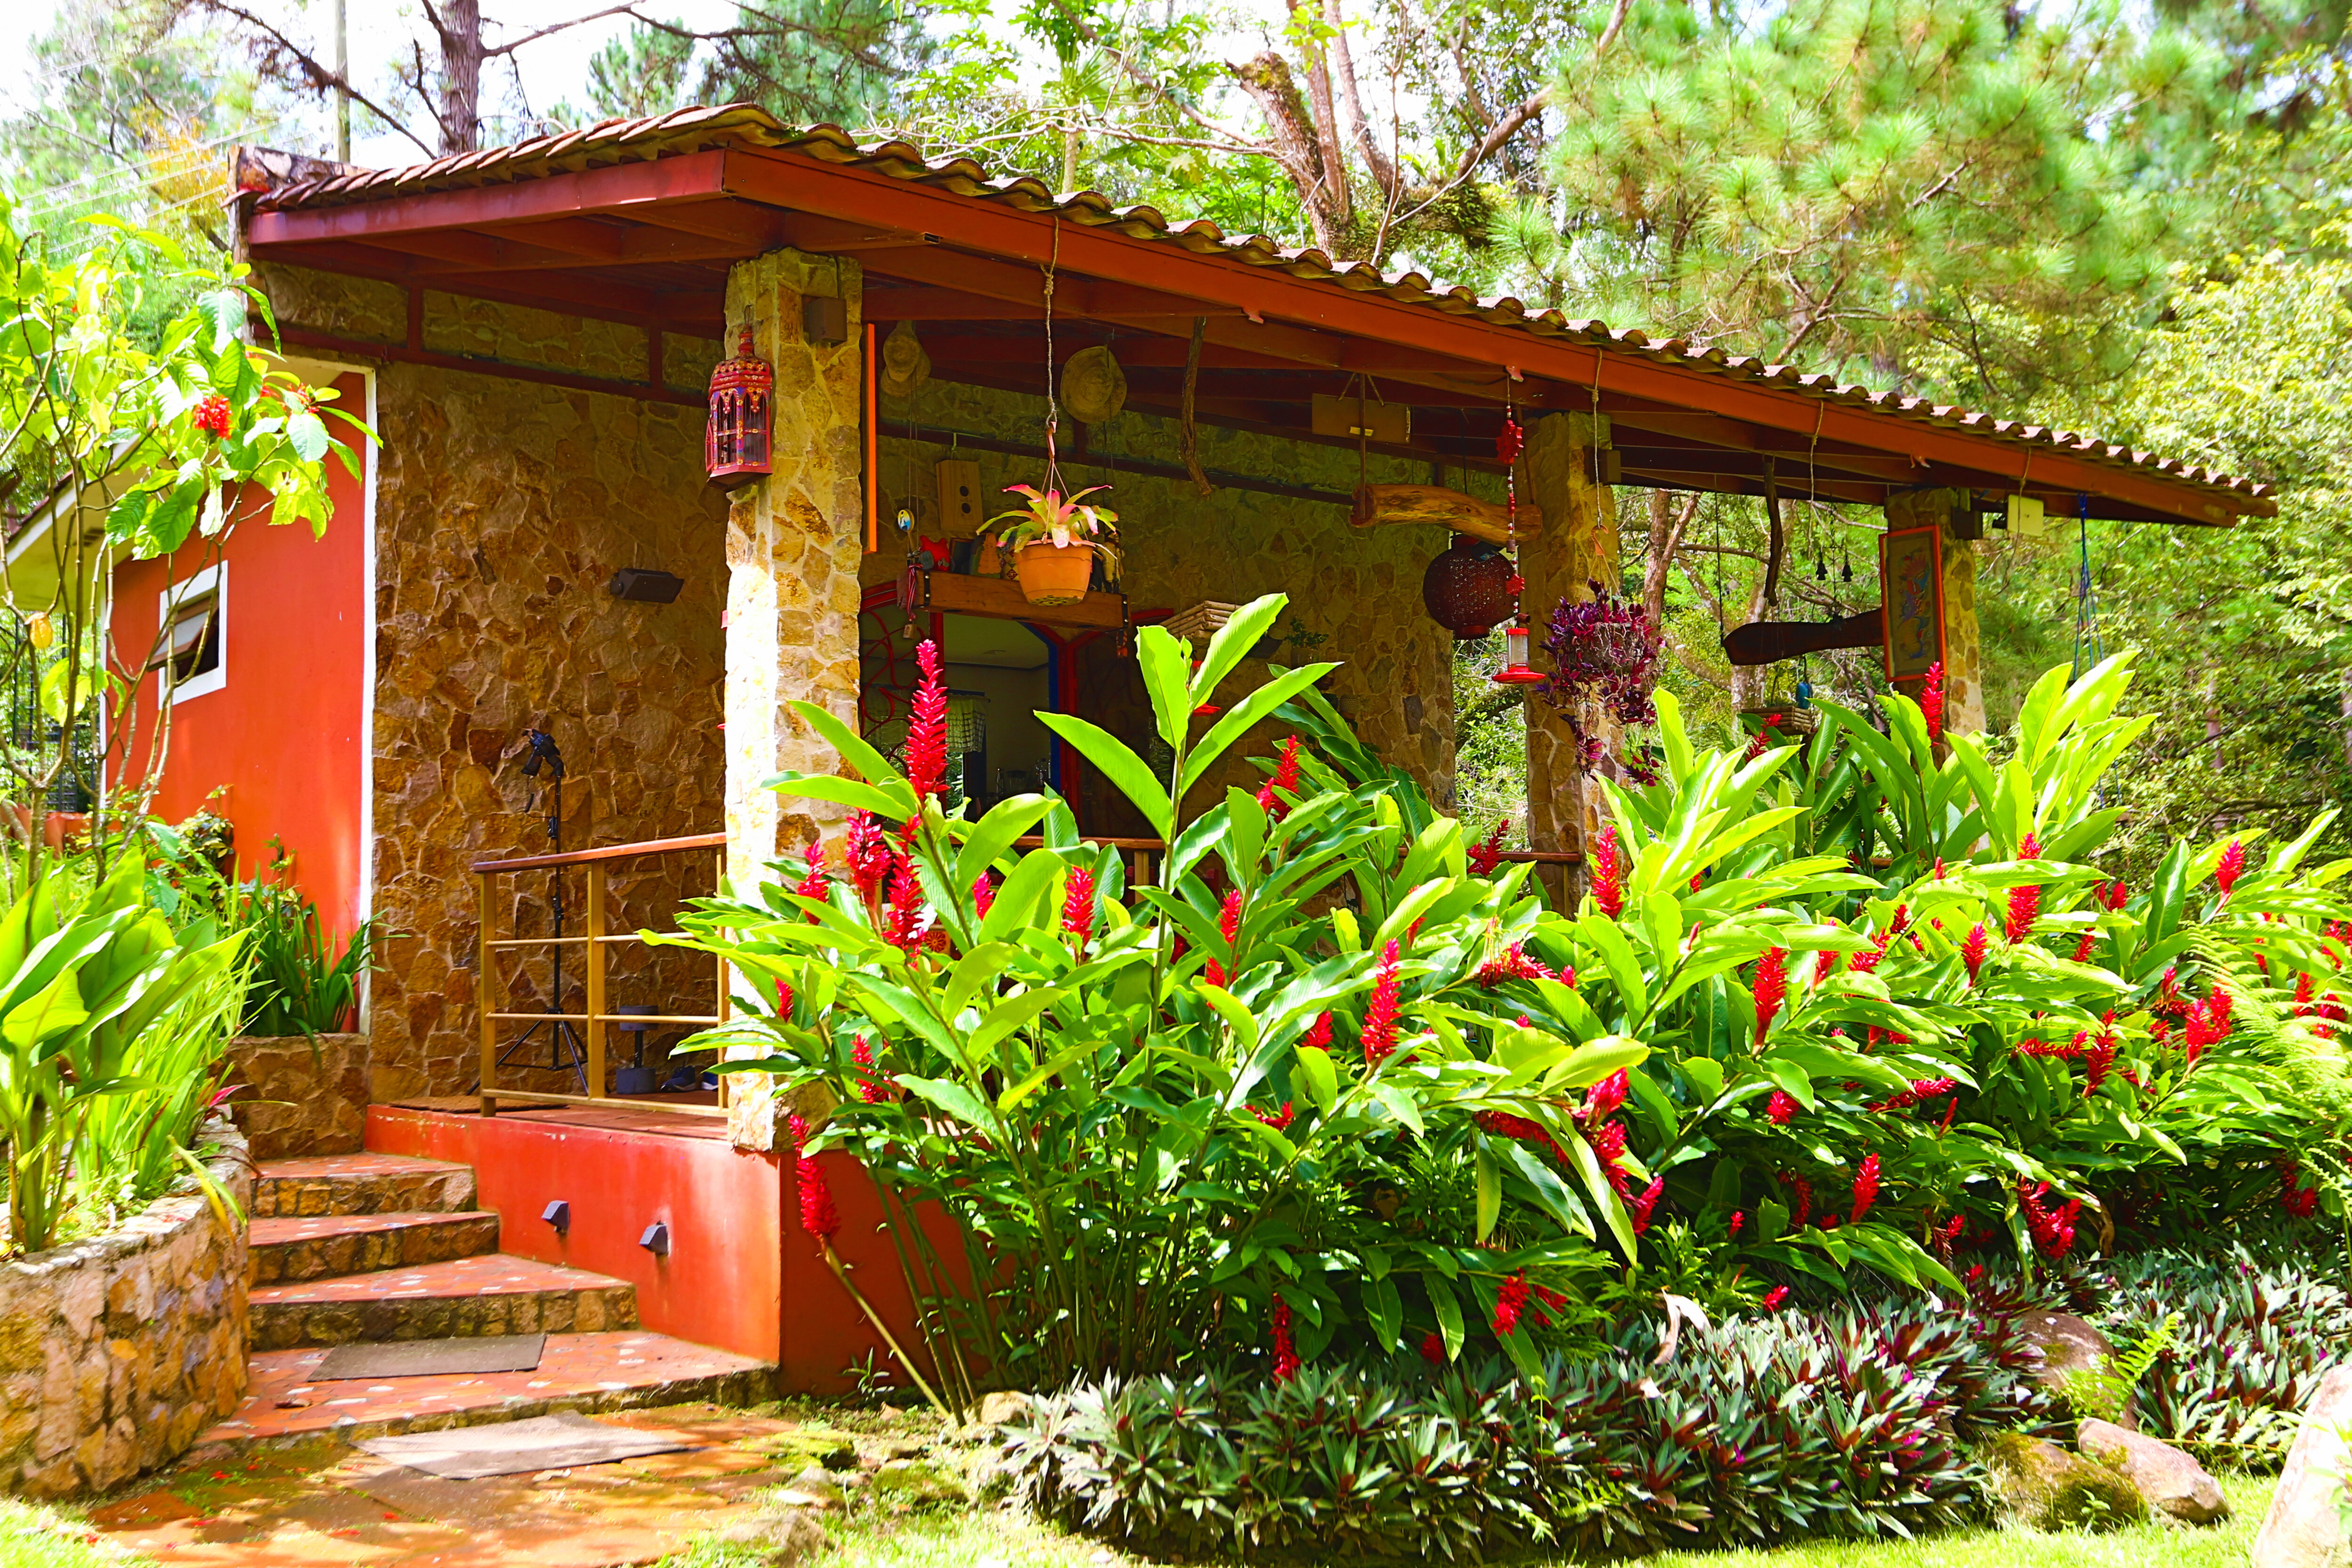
(1508, 444)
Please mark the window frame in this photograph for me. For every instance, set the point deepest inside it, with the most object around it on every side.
(211, 583)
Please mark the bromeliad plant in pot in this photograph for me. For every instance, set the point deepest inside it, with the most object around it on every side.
(1053, 540)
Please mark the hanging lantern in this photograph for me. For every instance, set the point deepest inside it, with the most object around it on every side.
(1515, 670)
(735, 441)
(1468, 588)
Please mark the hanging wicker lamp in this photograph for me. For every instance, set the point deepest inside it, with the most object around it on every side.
(1468, 588)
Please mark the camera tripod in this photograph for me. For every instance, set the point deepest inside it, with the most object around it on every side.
(564, 1045)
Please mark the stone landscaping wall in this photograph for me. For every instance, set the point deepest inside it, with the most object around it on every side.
(502, 510)
(301, 1097)
(117, 1351)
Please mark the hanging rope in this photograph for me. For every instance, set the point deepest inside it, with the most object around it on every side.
(1188, 434)
(2086, 602)
(1053, 407)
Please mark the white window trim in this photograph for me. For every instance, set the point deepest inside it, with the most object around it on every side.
(213, 580)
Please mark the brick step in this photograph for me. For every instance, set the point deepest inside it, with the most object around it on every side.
(320, 1246)
(359, 1183)
(586, 1372)
(459, 1299)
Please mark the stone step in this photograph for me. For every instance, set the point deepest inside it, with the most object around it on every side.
(359, 1183)
(327, 1245)
(586, 1372)
(459, 1299)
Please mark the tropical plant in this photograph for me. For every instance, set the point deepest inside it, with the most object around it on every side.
(1061, 521)
(102, 1000)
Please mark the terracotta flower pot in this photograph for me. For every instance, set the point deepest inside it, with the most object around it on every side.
(1052, 574)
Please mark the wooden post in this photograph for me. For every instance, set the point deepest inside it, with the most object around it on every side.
(596, 1007)
(486, 991)
(721, 1009)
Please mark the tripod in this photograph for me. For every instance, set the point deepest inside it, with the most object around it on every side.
(565, 1048)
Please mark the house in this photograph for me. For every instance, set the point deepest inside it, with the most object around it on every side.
(533, 331)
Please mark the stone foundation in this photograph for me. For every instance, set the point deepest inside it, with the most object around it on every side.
(117, 1351)
(301, 1097)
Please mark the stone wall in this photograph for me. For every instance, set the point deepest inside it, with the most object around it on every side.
(1355, 594)
(301, 1097)
(502, 509)
(116, 1353)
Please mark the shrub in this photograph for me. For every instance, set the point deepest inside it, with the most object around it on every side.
(1754, 1431)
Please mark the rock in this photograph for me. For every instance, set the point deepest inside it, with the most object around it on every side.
(814, 1487)
(914, 1484)
(2171, 1483)
(2044, 1486)
(843, 1457)
(996, 1409)
(2303, 1529)
(784, 1537)
(2068, 1344)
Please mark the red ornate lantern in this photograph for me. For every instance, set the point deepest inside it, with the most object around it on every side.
(736, 439)
(1468, 588)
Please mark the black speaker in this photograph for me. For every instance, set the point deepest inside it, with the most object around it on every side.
(645, 587)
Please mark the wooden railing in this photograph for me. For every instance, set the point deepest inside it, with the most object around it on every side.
(1143, 854)
(596, 941)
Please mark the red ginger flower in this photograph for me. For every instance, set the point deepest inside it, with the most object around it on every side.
(2083, 948)
(1318, 1033)
(2025, 899)
(1972, 950)
(1804, 1191)
(1608, 1142)
(1078, 906)
(1775, 1297)
(211, 415)
(2053, 1229)
(1503, 1124)
(1781, 1108)
(1641, 1208)
(868, 854)
(903, 928)
(1285, 1353)
(1771, 988)
(1603, 1098)
(926, 728)
(1738, 1219)
(1510, 1302)
(783, 999)
(2233, 866)
(1865, 1188)
(869, 1089)
(1277, 1119)
(1607, 874)
(983, 893)
(818, 1216)
(1511, 963)
(1286, 778)
(1380, 1033)
(1931, 700)
(1433, 1349)
(1487, 853)
(816, 884)
(1229, 926)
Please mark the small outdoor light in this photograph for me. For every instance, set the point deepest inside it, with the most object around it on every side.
(1467, 587)
(656, 1240)
(736, 439)
(559, 1215)
(646, 587)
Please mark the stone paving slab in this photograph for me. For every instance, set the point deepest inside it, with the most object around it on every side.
(320, 1504)
(587, 1372)
(455, 1298)
(359, 1183)
(319, 1247)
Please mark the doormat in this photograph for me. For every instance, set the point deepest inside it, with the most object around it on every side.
(518, 1447)
(433, 1357)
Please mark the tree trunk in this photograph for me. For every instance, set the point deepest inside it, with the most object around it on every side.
(1298, 146)
(459, 24)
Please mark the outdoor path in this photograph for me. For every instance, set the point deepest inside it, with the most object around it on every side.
(320, 1504)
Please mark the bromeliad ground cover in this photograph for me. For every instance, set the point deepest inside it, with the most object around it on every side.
(1866, 1009)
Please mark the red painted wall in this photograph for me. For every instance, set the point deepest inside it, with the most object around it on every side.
(741, 1275)
(287, 733)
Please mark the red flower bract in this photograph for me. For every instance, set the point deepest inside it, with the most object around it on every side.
(1972, 950)
(211, 415)
(1780, 1108)
(868, 854)
(1487, 853)
(1931, 700)
(1380, 1033)
(1229, 926)
(1771, 988)
(1284, 779)
(1318, 1033)
(1511, 963)
(816, 884)
(818, 1216)
(1607, 874)
(1433, 1349)
(926, 728)
(1078, 906)
(983, 893)
(1775, 1297)
(2025, 899)
(1865, 1187)
(1510, 1302)
(2233, 866)
(1277, 1119)
(1285, 1353)
(1641, 1208)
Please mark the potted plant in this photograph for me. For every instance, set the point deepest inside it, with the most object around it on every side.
(1053, 540)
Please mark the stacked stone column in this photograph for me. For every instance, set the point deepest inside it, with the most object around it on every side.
(793, 542)
(1576, 547)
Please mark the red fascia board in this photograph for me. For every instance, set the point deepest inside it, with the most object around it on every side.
(614, 189)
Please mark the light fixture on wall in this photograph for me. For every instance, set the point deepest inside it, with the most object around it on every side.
(558, 1215)
(656, 1240)
(646, 587)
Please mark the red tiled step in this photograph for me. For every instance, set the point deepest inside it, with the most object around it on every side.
(461, 1298)
(580, 1372)
(315, 1247)
(359, 1183)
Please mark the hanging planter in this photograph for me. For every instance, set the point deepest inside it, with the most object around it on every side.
(1605, 655)
(1054, 539)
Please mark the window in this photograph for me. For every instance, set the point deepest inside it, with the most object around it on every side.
(191, 653)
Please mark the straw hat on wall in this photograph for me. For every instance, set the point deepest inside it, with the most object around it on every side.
(1093, 386)
(904, 366)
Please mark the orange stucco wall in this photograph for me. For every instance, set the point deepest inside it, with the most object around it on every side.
(287, 735)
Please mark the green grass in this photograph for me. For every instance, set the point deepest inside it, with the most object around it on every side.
(993, 1539)
(2223, 1545)
(33, 1535)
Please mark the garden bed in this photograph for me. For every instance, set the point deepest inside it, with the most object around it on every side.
(117, 1351)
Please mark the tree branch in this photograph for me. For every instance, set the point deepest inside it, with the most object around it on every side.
(317, 77)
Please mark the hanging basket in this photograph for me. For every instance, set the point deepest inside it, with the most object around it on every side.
(1786, 720)
(1053, 574)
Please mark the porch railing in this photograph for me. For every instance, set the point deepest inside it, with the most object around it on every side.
(1144, 854)
(598, 942)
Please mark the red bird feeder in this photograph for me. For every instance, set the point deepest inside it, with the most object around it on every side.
(736, 439)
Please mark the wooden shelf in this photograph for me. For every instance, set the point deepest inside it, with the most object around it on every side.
(1000, 597)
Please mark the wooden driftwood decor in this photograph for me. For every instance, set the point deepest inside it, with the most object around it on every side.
(1435, 506)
